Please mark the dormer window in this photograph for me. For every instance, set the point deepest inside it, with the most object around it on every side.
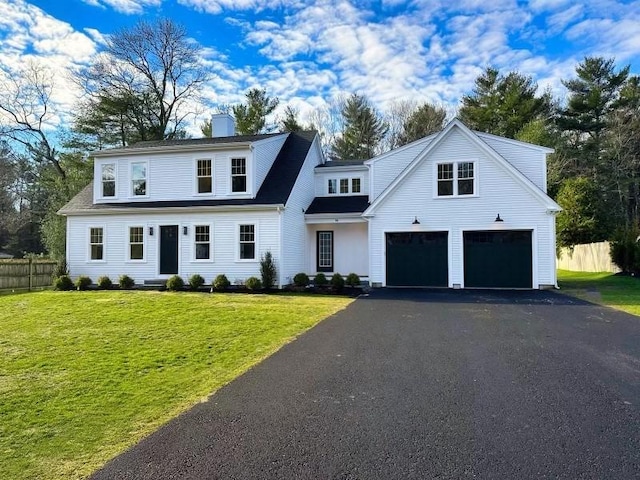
(456, 179)
(238, 175)
(332, 186)
(139, 178)
(203, 173)
(108, 179)
(344, 186)
(355, 185)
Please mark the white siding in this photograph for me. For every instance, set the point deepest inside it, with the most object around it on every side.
(350, 248)
(224, 236)
(322, 177)
(265, 152)
(294, 240)
(498, 192)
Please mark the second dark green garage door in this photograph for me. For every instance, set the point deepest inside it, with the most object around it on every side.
(417, 259)
(498, 259)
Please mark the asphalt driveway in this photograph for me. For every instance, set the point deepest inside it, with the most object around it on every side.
(422, 384)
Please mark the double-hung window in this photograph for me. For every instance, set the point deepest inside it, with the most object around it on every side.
(136, 243)
(96, 243)
(247, 242)
(332, 186)
(238, 175)
(456, 179)
(203, 172)
(344, 185)
(355, 185)
(139, 178)
(108, 179)
(203, 242)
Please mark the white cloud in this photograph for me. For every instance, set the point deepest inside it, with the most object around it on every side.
(128, 7)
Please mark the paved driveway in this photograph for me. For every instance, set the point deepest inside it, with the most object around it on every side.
(422, 384)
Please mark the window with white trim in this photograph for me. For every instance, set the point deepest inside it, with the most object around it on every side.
(325, 251)
(203, 242)
(344, 185)
(96, 243)
(108, 179)
(332, 186)
(203, 173)
(136, 243)
(139, 178)
(247, 242)
(238, 175)
(455, 179)
(355, 185)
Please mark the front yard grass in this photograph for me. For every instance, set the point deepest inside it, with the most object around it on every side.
(617, 291)
(84, 375)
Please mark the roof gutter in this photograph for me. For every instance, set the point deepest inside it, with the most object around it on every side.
(163, 210)
(171, 149)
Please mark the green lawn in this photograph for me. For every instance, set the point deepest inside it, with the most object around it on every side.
(83, 375)
(617, 291)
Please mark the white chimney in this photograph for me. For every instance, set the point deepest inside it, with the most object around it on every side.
(223, 125)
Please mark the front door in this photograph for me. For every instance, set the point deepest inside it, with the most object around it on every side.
(168, 249)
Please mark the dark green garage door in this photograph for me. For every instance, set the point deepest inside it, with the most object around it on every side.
(417, 259)
(498, 259)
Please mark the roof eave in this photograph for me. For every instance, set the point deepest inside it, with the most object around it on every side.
(199, 208)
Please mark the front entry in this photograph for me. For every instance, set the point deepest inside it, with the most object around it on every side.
(168, 249)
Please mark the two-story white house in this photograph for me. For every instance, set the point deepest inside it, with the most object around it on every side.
(457, 209)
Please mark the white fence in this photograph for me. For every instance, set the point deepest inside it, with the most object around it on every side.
(592, 257)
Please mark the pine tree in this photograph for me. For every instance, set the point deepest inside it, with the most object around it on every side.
(362, 132)
(251, 117)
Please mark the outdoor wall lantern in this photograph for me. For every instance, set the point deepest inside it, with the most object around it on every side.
(151, 231)
(415, 221)
(185, 230)
(498, 219)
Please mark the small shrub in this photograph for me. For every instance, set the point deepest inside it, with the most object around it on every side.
(61, 269)
(175, 283)
(253, 283)
(268, 270)
(337, 281)
(221, 282)
(63, 282)
(126, 282)
(353, 280)
(320, 280)
(195, 281)
(83, 282)
(625, 250)
(301, 279)
(104, 283)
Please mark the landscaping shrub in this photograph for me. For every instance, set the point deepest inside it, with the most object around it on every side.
(301, 279)
(126, 282)
(195, 281)
(104, 283)
(83, 282)
(221, 282)
(61, 269)
(268, 270)
(253, 283)
(625, 250)
(63, 282)
(320, 280)
(175, 283)
(353, 280)
(337, 281)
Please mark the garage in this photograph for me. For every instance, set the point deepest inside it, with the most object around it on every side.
(498, 259)
(417, 259)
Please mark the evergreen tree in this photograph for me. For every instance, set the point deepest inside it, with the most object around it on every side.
(290, 121)
(251, 117)
(362, 132)
(424, 121)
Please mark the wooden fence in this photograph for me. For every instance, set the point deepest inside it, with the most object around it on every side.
(25, 273)
(592, 257)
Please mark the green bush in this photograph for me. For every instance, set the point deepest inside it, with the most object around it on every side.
(337, 281)
(195, 281)
(320, 279)
(353, 280)
(301, 279)
(61, 269)
(221, 282)
(175, 283)
(83, 282)
(253, 283)
(63, 282)
(268, 270)
(104, 282)
(126, 282)
(625, 250)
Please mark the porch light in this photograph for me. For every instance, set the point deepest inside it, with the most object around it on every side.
(415, 221)
(498, 219)
(185, 230)
(151, 231)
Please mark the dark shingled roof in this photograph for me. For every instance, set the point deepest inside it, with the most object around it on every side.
(339, 204)
(342, 163)
(275, 189)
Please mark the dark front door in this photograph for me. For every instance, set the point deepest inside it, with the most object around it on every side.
(169, 249)
(417, 259)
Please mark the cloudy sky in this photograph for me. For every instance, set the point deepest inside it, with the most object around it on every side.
(305, 52)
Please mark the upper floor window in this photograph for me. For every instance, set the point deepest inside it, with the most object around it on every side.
(355, 185)
(343, 186)
(332, 186)
(203, 242)
(456, 178)
(136, 243)
(238, 174)
(139, 178)
(108, 179)
(96, 243)
(204, 176)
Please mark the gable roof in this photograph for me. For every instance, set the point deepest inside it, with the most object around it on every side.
(476, 140)
(275, 189)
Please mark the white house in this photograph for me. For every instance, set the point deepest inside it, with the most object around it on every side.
(458, 209)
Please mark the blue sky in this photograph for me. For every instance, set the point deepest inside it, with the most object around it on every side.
(307, 52)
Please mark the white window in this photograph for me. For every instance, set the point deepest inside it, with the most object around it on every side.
(203, 173)
(355, 185)
(238, 175)
(325, 251)
(96, 243)
(139, 178)
(202, 242)
(136, 243)
(332, 186)
(108, 179)
(456, 179)
(344, 185)
(247, 242)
